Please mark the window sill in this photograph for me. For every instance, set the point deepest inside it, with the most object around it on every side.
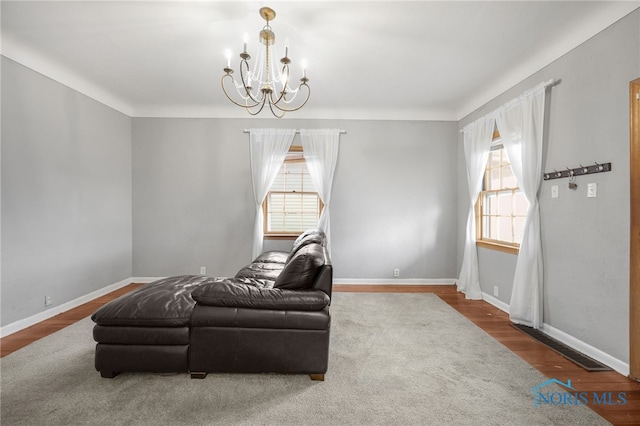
(498, 247)
(281, 236)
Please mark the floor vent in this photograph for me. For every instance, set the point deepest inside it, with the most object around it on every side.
(578, 358)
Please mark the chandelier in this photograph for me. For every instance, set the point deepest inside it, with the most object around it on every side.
(265, 84)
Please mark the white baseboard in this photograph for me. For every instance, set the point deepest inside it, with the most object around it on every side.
(395, 281)
(145, 280)
(576, 344)
(580, 346)
(495, 302)
(52, 312)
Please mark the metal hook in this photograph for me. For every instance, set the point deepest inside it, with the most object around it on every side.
(572, 180)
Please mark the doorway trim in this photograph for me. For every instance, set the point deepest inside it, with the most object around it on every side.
(634, 255)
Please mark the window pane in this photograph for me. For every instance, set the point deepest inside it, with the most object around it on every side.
(275, 221)
(491, 203)
(494, 178)
(505, 156)
(310, 203)
(278, 183)
(309, 221)
(504, 203)
(520, 204)
(508, 178)
(504, 206)
(486, 226)
(293, 222)
(491, 230)
(504, 229)
(307, 184)
(518, 229)
(276, 202)
(294, 182)
(494, 159)
(292, 204)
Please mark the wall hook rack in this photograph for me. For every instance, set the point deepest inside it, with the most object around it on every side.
(578, 171)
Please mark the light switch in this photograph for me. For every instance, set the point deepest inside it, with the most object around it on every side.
(592, 190)
(554, 191)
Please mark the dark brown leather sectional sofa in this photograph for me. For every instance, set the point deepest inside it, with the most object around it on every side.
(271, 317)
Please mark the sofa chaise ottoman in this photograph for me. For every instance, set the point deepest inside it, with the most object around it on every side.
(271, 317)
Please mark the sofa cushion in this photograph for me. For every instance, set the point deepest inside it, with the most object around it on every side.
(314, 236)
(163, 303)
(132, 335)
(233, 293)
(279, 257)
(226, 316)
(306, 234)
(259, 275)
(301, 270)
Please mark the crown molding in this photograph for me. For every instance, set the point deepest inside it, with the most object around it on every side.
(308, 113)
(45, 66)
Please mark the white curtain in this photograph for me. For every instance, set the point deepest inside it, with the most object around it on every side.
(269, 149)
(477, 144)
(520, 124)
(320, 149)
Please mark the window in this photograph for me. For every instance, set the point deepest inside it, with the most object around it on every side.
(292, 204)
(501, 207)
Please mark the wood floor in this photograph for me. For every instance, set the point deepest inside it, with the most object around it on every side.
(489, 318)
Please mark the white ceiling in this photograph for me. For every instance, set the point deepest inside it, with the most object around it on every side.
(436, 60)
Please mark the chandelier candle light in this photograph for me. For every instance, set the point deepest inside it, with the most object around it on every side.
(271, 87)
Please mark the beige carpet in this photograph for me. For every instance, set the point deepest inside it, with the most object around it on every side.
(402, 359)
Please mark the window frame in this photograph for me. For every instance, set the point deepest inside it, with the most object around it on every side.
(281, 235)
(499, 245)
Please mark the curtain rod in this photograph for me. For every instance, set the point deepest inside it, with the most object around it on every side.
(546, 84)
(342, 132)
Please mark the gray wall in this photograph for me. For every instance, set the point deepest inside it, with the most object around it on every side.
(585, 240)
(66, 193)
(193, 202)
(394, 195)
(394, 200)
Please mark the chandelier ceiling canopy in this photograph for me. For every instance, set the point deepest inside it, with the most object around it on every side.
(267, 83)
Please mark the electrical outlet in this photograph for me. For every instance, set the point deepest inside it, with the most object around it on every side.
(554, 191)
(495, 290)
(203, 270)
(592, 190)
(48, 301)
(396, 272)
